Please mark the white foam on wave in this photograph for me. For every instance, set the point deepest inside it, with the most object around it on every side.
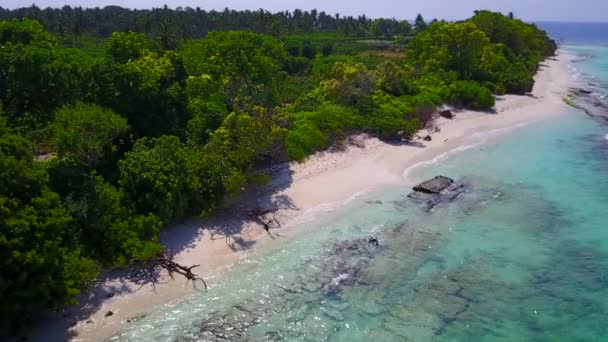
(480, 138)
(575, 74)
(437, 159)
(606, 136)
(312, 213)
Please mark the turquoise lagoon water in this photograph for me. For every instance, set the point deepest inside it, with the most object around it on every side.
(592, 64)
(522, 255)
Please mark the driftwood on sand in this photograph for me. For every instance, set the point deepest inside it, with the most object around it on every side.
(165, 260)
(266, 217)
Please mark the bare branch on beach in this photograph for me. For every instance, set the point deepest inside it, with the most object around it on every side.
(166, 261)
(267, 218)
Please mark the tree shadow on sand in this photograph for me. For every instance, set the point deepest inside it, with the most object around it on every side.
(259, 208)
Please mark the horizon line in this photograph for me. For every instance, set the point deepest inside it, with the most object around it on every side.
(428, 18)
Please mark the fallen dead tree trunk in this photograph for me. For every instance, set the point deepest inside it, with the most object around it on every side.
(260, 216)
(165, 261)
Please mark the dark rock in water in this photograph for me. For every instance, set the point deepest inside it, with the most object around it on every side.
(437, 190)
(421, 196)
(434, 185)
(108, 314)
(346, 264)
(427, 138)
(583, 91)
(110, 294)
(446, 114)
(452, 191)
(588, 101)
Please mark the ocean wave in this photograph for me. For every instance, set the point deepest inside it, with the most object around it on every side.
(311, 214)
(606, 136)
(481, 138)
(575, 74)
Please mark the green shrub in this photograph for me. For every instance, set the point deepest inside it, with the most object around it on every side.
(394, 118)
(293, 50)
(471, 95)
(304, 139)
(327, 49)
(309, 51)
(297, 65)
(316, 130)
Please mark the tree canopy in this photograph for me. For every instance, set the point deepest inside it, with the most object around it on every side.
(118, 122)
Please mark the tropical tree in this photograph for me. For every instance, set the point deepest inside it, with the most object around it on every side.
(37, 76)
(160, 176)
(348, 84)
(40, 264)
(419, 23)
(443, 46)
(244, 63)
(85, 132)
(125, 46)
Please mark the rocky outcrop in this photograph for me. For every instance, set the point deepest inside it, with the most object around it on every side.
(437, 190)
(347, 263)
(589, 101)
(434, 185)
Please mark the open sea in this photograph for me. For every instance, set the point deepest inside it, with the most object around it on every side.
(522, 255)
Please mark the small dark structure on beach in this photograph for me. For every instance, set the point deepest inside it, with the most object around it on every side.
(446, 114)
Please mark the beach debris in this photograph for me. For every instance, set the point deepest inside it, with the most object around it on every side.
(109, 313)
(356, 140)
(136, 317)
(446, 114)
(427, 138)
(165, 261)
(434, 185)
(266, 217)
(374, 240)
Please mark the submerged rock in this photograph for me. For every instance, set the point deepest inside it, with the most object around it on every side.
(437, 190)
(346, 264)
(589, 101)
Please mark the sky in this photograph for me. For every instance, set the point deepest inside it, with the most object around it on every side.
(531, 10)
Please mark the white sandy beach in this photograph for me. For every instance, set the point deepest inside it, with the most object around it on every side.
(303, 189)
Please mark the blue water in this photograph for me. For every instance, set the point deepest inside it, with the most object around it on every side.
(522, 255)
(577, 33)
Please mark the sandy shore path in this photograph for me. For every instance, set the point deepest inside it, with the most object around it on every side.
(323, 181)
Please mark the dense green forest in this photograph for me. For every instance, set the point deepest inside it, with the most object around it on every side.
(187, 23)
(115, 123)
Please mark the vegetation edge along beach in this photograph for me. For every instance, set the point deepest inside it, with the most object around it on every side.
(109, 136)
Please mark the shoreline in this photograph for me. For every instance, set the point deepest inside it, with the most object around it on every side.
(324, 181)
